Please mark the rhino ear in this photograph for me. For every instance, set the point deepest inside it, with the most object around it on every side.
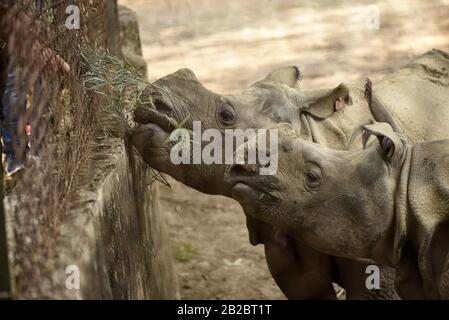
(323, 104)
(185, 74)
(391, 143)
(289, 76)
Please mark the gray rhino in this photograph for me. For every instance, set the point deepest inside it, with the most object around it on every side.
(300, 271)
(388, 203)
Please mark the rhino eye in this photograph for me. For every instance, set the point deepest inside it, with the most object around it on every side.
(388, 147)
(226, 114)
(313, 178)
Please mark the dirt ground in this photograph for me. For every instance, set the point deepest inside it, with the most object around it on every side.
(229, 44)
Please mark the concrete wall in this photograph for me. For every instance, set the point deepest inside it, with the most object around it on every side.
(116, 233)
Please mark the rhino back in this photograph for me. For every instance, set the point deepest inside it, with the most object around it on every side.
(418, 96)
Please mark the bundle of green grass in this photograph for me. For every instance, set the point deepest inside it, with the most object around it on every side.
(122, 86)
(124, 90)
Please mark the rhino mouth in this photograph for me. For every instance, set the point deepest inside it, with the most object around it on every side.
(255, 200)
(247, 186)
(144, 116)
(151, 141)
(163, 114)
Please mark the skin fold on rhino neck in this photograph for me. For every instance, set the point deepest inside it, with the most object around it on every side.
(416, 244)
(395, 237)
(422, 223)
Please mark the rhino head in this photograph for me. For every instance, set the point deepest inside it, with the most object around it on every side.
(338, 202)
(181, 97)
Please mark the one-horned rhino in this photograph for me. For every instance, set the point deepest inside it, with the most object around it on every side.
(388, 203)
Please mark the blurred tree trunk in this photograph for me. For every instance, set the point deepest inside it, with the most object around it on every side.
(113, 30)
(5, 284)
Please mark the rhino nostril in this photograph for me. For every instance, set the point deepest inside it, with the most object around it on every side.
(237, 170)
(162, 106)
(242, 170)
(142, 115)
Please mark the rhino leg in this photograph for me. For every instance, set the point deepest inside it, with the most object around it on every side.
(352, 276)
(299, 271)
(304, 273)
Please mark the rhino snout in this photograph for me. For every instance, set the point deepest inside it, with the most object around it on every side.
(240, 173)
